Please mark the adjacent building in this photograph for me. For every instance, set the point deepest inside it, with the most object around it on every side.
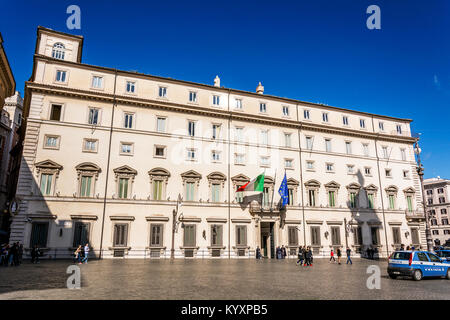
(438, 206)
(107, 153)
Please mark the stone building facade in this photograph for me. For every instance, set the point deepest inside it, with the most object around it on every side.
(437, 193)
(108, 152)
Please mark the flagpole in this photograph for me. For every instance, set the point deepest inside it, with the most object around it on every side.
(273, 189)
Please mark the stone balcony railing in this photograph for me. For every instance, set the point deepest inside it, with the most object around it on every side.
(415, 214)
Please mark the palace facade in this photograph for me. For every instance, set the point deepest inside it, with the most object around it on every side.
(108, 152)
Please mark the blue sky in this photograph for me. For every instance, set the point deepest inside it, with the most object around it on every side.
(316, 51)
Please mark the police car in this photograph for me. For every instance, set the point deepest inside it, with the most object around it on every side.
(417, 264)
(444, 254)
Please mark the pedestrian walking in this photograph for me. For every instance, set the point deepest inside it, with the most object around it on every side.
(33, 254)
(258, 253)
(349, 258)
(332, 256)
(283, 252)
(339, 254)
(278, 252)
(309, 256)
(86, 253)
(77, 254)
(20, 253)
(300, 256)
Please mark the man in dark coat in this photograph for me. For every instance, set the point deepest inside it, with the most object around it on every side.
(283, 252)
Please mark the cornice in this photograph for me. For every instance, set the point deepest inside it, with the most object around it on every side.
(218, 113)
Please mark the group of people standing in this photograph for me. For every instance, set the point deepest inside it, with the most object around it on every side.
(81, 254)
(305, 256)
(280, 252)
(11, 255)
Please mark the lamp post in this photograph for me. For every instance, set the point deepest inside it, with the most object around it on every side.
(420, 170)
(174, 226)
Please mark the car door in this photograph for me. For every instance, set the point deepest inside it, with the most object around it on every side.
(424, 264)
(438, 268)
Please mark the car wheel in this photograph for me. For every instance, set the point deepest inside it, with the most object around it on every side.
(448, 274)
(392, 276)
(417, 275)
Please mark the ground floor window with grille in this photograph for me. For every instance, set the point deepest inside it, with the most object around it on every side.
(241, 235)
(335, 236)
(39, 232)
(81, 233)
(120, 234)
(357, 236)
(415, 235)
(315, 236)
(189, 235)
(216, 235)
(292, 236)
(156, 235)
(396, 235)
(375, 237)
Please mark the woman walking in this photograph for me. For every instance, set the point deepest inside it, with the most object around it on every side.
(339, 254)
(77, 254)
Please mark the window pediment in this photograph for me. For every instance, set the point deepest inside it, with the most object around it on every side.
(125, 171)
(371, 187)
(332, 185)
(159, 172)
(353, 187)
(391, 189)
(216, 176)
(409, 190)
(48, 166)
(292, 182)
(88, 167)
(240, 178)
(191, 176)
(312, 184)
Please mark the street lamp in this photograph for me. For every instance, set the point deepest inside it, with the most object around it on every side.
(174, 225)
(420, 170)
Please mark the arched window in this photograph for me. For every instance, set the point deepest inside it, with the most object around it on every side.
(58, 51)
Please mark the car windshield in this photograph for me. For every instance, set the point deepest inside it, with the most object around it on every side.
(401, 255)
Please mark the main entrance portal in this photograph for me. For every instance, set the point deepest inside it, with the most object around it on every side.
(267, 240)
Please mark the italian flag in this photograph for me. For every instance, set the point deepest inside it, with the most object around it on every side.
(256, 185)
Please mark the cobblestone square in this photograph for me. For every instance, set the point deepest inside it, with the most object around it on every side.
(211, 279)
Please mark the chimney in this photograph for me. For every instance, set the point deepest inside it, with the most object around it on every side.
(260, 89)
(217, 81)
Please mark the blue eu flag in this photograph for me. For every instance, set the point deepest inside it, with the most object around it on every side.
(283, 191)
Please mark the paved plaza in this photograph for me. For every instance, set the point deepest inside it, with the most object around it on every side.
(211, 279)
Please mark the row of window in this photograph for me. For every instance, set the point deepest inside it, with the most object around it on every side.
(433, 212)
(130, 87)
(161, 126)
(440, 199)
(82, 230)
(434, 222)
(436, 232)
(355, 196)
(439, 191)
